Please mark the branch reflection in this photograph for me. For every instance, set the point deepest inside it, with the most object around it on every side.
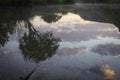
(37, 46)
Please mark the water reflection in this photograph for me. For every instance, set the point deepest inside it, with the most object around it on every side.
(107, 49)
(74, 58)
(32, 37)
(8, 22)
(37, 45)
(51, 18)
(10, 19)
(70, 50)
(77, 25)
(6, 28)
(105, 71)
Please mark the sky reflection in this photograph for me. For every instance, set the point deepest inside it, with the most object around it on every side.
(87, 50)
(105, 71)
(71, 27)
(82, 40)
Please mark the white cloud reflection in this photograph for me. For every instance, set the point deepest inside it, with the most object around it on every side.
(72, 27)
(76, 32)
(73, 57)
(91, 43)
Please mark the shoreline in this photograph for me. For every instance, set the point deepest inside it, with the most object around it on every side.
(68, 5)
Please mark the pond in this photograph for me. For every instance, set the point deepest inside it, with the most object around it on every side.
(64, 42)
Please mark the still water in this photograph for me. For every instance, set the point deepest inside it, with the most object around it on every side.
(74, 42)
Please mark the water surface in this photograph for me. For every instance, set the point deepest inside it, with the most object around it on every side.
(77, 42)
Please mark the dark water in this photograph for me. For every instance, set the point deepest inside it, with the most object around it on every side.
(74, 42)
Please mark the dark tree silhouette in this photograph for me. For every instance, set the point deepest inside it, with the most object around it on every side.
(8, 22)
(6, 28)
(37, 46)
(51, 18)
(10, 18)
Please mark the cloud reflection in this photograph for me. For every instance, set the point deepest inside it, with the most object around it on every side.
(107, 49)
(77, 35)
(105, 71)
(72, 27)
(70, 51)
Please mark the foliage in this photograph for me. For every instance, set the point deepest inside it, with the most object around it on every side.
(31, 2)
(8, 22)
(45, 2)
(10, 18)
(5, 30)
(99, 1)
(37, 46)
(51, 18)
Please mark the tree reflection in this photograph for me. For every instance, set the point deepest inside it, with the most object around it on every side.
(10, 18)
(37, 46)
(8, 22)
(51, 18)
(5, 30)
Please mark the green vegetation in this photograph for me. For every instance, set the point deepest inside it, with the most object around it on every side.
(51, 1)
(48, 44)
(32, 2)
(98, 1)
(114, 1)
(11, 19)
(46, 2)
